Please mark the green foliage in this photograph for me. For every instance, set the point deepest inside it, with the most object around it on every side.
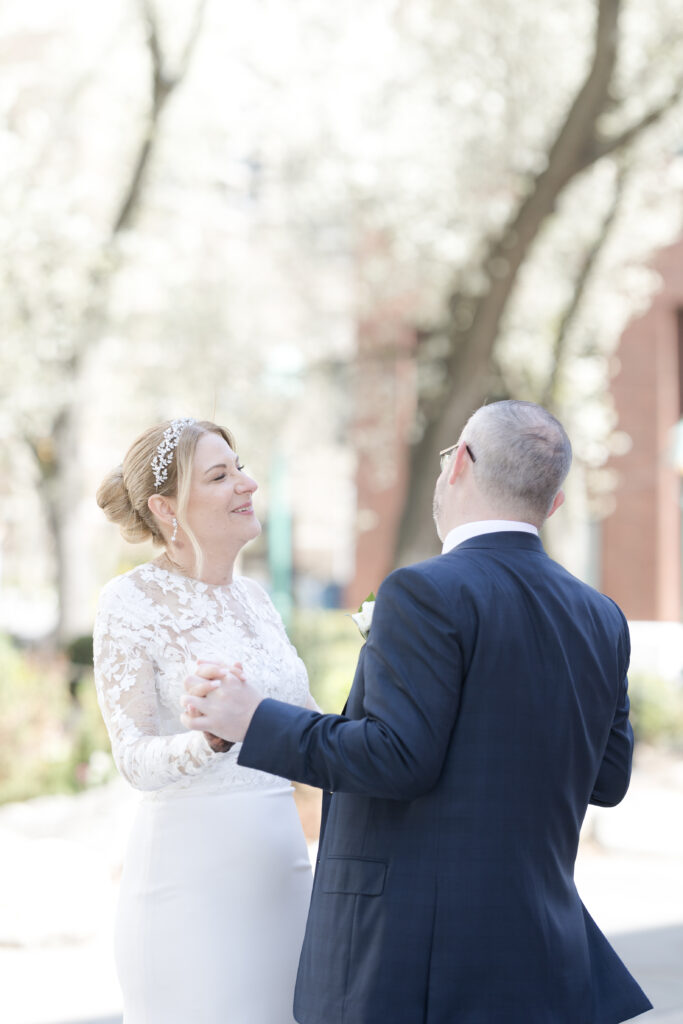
(52, 738)
(656, 709)
(79, 651)
(328, 642)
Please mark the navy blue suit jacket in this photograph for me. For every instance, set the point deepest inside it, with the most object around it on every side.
(489, 708)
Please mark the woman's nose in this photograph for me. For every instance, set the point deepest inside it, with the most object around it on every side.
(247, 483)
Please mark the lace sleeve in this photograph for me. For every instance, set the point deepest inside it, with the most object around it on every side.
(124, 677)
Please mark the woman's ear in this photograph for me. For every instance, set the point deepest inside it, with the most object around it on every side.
(162, 508)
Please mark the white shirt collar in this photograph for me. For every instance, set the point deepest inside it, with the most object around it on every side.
(460, 533)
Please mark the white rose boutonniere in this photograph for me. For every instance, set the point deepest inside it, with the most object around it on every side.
(363, 617)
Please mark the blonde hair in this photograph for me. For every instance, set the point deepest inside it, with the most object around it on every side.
(124, 493)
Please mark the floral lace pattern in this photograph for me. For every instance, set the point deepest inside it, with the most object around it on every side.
(151, 627)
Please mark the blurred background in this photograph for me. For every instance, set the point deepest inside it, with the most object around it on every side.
(337, 230)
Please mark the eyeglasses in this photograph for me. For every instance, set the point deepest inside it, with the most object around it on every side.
(444, 455)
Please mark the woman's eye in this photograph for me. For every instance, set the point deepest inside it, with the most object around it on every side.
(240, 467)
(221, 477)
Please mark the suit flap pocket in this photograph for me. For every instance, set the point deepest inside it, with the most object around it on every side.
(352, 875)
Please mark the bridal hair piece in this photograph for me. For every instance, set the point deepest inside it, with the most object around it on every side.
(158, 462)
(164, 454)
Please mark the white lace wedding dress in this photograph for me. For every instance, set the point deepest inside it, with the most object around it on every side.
(217, 879)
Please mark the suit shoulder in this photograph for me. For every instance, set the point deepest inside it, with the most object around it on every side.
(586, 597)
(591, 594)
(609, 607)
(426, 580)
(416, 573)
(460, 569)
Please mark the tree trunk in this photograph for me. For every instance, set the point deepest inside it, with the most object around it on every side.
(474, 321)
(71, 557)
(471, 381)
(61, 485)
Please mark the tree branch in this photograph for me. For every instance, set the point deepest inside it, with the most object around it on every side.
(163, 84)
(549, 396)
(153, 42)
(192, 38)
(565, 158)
(474, 320)
(606, 146)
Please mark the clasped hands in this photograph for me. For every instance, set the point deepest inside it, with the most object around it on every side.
(219, 701)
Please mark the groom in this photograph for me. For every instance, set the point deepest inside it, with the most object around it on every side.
(488, 709)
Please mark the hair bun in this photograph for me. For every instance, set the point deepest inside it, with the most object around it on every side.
(114, 500)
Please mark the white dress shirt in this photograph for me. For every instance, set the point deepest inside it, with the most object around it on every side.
(460, 533)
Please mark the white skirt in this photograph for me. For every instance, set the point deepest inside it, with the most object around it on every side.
(212, 909)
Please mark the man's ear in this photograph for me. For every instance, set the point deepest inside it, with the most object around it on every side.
(162, 508)
(559, 500)
(458, 464)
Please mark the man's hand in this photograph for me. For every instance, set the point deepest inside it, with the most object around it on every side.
(219, 701)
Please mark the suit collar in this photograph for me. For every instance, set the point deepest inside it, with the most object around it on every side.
(465, 531)
(507, 541)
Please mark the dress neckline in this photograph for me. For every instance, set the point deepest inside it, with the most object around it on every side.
(183, 578)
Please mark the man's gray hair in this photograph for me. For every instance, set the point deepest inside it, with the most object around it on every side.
(522, 456)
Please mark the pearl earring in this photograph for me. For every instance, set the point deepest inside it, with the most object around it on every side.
(175, 529)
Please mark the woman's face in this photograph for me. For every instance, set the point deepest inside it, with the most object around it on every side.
(219, 509)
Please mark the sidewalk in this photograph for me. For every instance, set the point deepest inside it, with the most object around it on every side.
(630, 876)
(60, 858)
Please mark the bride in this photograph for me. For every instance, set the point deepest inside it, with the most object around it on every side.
(217, 879)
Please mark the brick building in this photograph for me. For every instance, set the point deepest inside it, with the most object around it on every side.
(641, 551)
(638, 558)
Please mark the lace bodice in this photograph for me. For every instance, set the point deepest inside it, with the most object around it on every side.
(151, 627)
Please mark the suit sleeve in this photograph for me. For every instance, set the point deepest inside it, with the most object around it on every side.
(614, 774)
(412, 676)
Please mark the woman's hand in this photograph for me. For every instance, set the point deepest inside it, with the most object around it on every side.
(207, 677)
